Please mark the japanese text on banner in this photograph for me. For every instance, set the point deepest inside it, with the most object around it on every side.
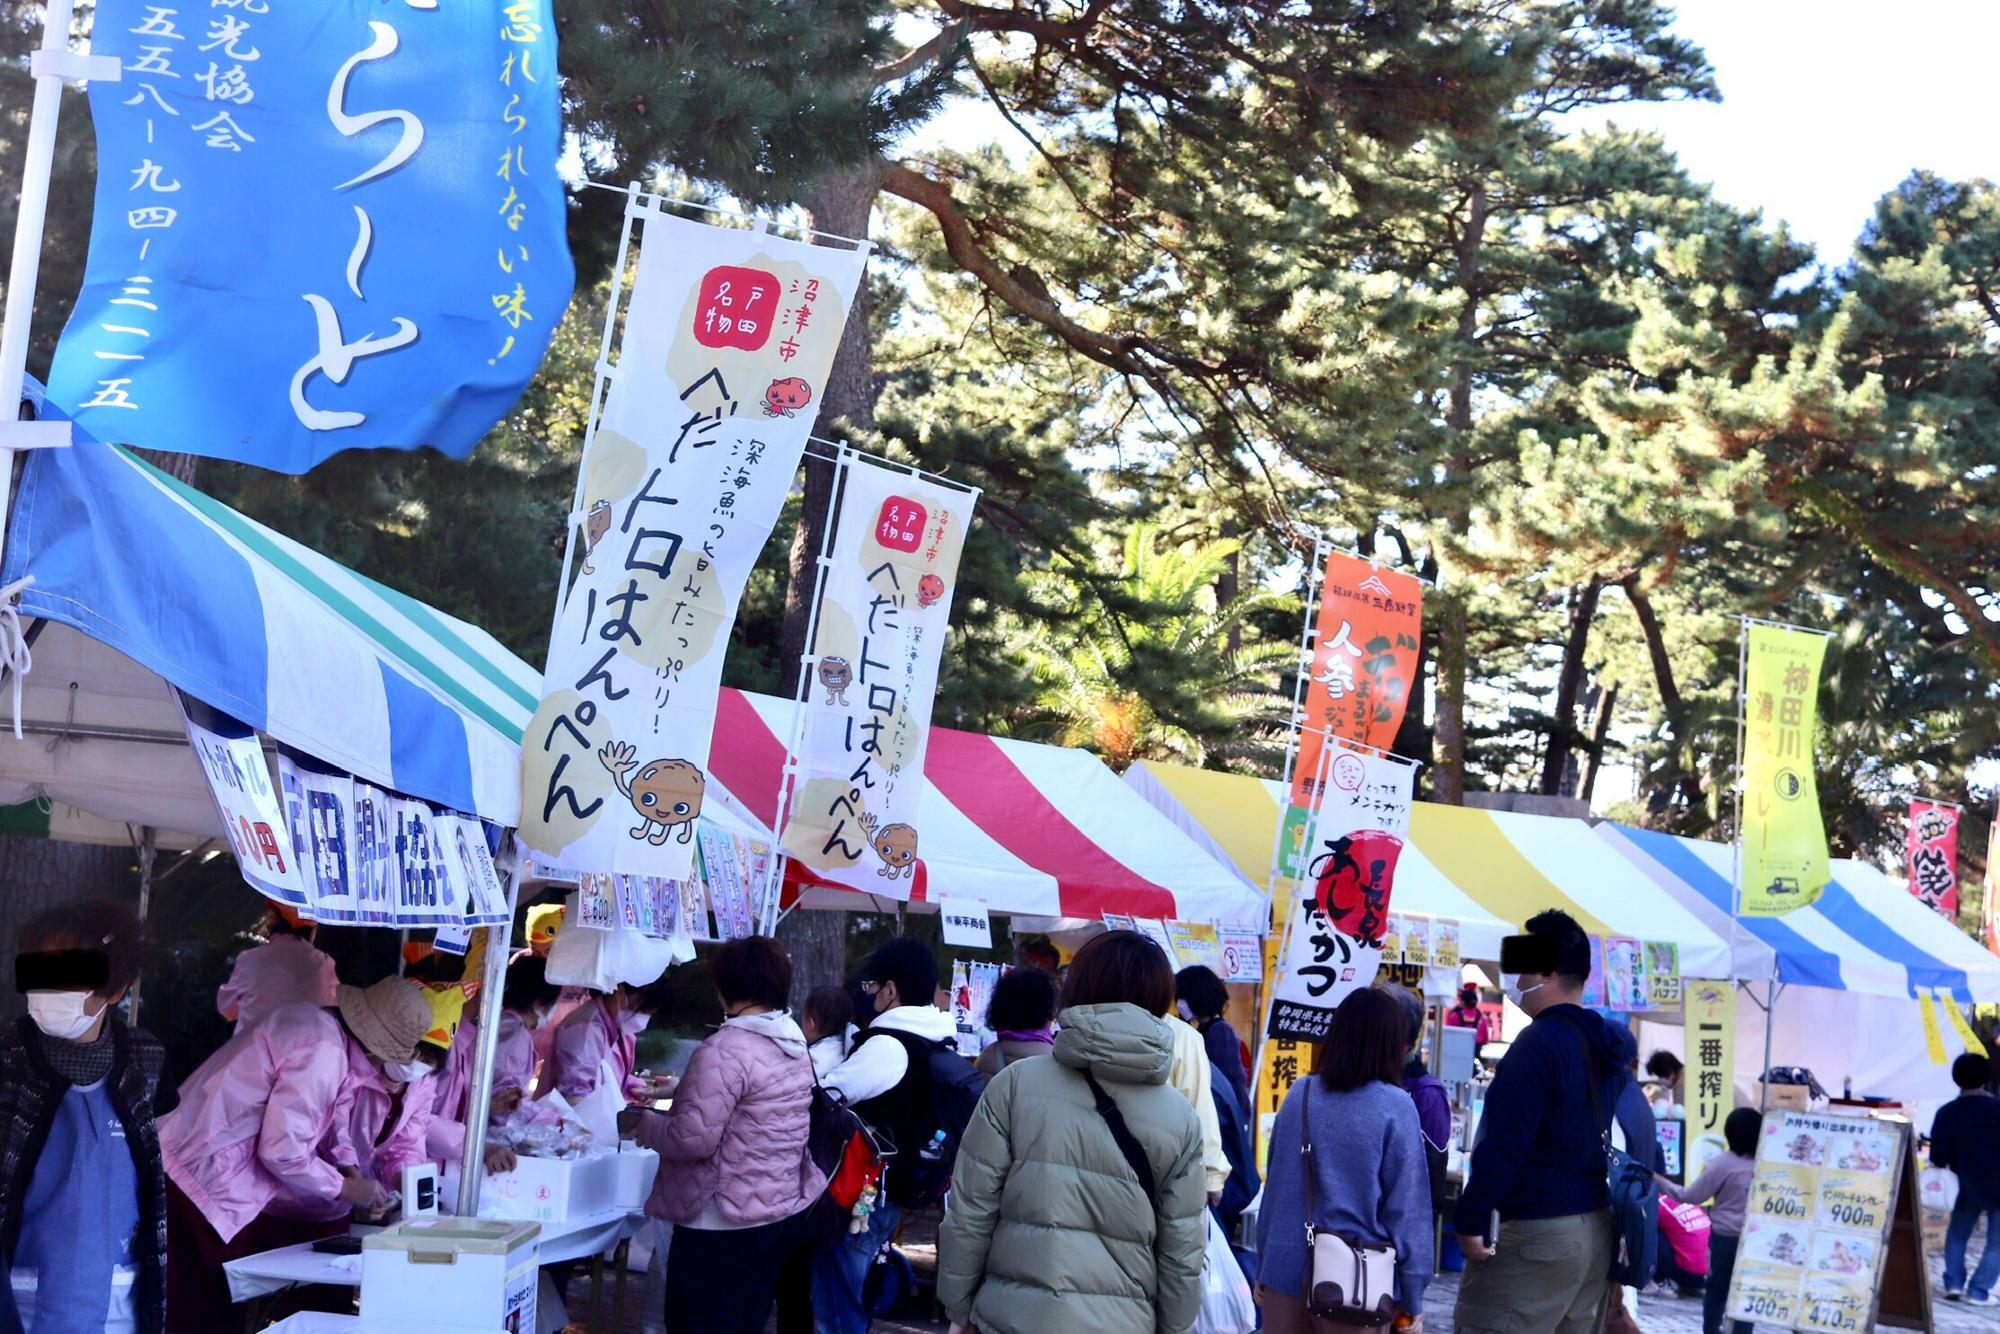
(885, 606)
(1358, 836)
(1711, 1068)
(1321, 965)
(1932, 853)
(727, 341)
(1363, 664)
(396, 167)
(1784, 842)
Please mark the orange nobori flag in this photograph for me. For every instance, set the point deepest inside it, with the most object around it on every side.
(1364, 662)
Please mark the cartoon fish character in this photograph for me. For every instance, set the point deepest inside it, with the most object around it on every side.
(929, 589)
(595, 526)
(836, 676)
(785, 397)
(666, 793)
(895, 844)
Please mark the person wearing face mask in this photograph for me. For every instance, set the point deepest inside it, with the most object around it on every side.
(592, 1063)
(1539, 1163)
(735, 1179)
(83, 1223)
(524, 1006)
(262, 1151)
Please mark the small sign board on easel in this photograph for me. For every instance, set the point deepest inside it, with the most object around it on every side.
(1832, 1240)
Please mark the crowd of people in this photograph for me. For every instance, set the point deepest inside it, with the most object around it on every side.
(1081, 1163)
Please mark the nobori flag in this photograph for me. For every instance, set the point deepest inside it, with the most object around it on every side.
(318, 227)
(1784, 840)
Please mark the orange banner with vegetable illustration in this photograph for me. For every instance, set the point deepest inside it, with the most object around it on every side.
(1363, 664)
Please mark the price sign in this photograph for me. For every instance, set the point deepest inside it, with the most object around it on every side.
(1786, 1192)
(1834, 1308)
(1759, 1294)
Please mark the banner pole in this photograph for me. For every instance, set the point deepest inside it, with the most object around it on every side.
(1308, 648)
(1742, 716)
(472, 1165)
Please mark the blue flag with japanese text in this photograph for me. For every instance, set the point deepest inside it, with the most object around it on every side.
(319, 227)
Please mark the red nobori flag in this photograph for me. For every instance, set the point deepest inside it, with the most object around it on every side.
(1932, 854)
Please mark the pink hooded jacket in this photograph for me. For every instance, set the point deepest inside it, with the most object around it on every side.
(582, 1043)
(733, 1149)
(513, 1068)
(254, 1129)
(363, 1137)
(286, 971)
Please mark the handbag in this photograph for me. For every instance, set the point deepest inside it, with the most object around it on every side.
(1347, 1281)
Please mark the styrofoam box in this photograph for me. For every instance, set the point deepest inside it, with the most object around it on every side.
(553, 1190)
(636, 1169)
(470, 1272)
(326, 1322)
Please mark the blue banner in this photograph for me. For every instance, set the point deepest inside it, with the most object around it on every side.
(319, 226)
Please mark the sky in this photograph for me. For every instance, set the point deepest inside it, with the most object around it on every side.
(1827, 104)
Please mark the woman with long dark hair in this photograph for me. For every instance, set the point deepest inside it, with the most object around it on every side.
(1369, 1181)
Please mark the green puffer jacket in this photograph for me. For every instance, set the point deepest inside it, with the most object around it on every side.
(1047, 1229)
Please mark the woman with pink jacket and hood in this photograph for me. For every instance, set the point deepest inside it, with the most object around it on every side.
(276, 1133)
(525, 1001)
(735, 1178)
(595, 1054)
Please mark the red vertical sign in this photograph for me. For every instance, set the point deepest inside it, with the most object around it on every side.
(1363, 665)
(1932, 855)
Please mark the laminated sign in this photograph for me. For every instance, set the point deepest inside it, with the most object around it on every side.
(884, 610)
(318, 227)
(727, 341)
(232, 759)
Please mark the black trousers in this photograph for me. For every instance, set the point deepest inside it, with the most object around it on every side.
(725, 1282)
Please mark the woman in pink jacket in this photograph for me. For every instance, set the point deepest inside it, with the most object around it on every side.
(267, 1146)
(524, 1004)
(596, 1050)
(286, 969)
(735, 1178)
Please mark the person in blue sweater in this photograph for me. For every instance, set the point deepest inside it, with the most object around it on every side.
(1538, 1163)
(1368, 1184)
(1966, 1138)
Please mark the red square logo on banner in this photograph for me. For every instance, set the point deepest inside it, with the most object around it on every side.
(900, 525)
(736, 307)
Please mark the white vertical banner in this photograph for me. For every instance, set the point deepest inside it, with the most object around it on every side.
(884, 610)
(247, 802)
(728, 338)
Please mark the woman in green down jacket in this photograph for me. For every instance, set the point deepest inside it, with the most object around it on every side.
(1048, 1226)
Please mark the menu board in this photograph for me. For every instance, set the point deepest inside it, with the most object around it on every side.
(1818, 1223)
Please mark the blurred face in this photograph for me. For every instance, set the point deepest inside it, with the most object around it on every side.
(72, 1013)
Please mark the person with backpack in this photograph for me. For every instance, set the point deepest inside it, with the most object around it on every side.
(1078, 1198)
(735, 1179)
(1540, 1166)
(906, 1079)
(1347, 1156)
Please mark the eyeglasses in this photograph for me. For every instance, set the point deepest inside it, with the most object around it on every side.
(870, 987)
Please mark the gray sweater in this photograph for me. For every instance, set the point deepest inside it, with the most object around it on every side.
(1726, 1180)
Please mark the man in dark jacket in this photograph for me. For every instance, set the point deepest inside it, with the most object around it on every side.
(83, 1218)
(1966, 1138)
(1539, 1161)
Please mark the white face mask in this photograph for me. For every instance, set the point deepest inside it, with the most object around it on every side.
(633, 1022)
(406, 1072)
(60, 1014)
(1511, 984)
(1186, 1013)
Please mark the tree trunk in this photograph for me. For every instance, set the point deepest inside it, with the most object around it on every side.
(1607, 700)
(1230, 582)
(839, 204)
(180, 467)
(1448, 785)
(1671, 703)
(816, 939)
(1569, 685)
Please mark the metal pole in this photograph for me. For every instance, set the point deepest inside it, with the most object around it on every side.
(1770, 1022)
(148, 839)
(1742, 713)
(472, 1167)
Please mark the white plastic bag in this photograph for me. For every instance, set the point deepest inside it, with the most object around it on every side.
(1226, 1304)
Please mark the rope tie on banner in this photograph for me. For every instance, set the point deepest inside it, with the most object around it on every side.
(15, 657)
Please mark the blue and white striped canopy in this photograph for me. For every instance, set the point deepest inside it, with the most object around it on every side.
(306, 651)
(1866, 934)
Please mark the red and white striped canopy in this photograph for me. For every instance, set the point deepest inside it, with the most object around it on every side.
(1028, 829)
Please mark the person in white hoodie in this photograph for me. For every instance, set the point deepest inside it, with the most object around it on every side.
(879, 1082)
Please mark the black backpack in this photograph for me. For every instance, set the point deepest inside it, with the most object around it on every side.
(938, 1095)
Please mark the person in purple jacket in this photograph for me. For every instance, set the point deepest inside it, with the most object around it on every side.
(1426, 1090)
(735, 1179)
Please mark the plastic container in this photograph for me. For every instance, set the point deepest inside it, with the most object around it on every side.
(636, 1169)
(457, 1273)
(548, 1190)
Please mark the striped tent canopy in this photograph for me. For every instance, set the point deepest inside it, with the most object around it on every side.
(1866, 934)
(129, 579)
(1032, 830)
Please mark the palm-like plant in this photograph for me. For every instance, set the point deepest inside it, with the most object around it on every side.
(1157, 667)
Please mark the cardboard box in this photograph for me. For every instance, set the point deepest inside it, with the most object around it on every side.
(1783, 1097)
(454, 1272)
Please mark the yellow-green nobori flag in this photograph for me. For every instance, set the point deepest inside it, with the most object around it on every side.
(1783, 863)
